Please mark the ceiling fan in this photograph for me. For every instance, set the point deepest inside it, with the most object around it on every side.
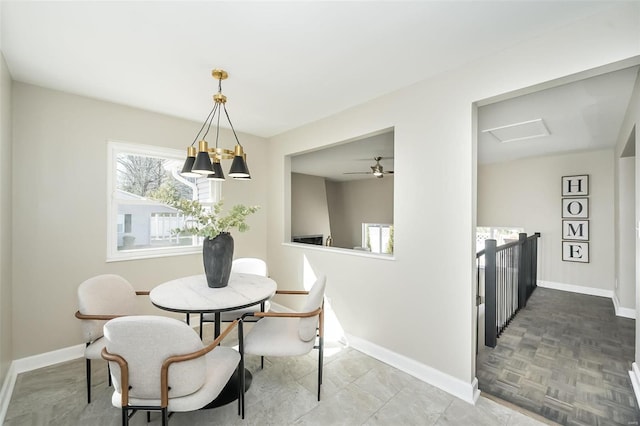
(377, 170)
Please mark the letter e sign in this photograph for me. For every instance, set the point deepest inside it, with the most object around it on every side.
(575, 251)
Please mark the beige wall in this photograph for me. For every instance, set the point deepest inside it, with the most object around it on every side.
(309, 211)
(527, 193)
(60, 207)
(430, 284)
(631, 121)
(340, 232)
(626, 248)
(6, 349)
(320, 206)
(59, 210)
(355, 202)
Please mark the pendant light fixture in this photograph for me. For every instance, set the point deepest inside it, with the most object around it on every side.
(206, 161)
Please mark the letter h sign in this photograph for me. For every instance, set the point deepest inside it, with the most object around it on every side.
(575, 186)
(575, 209)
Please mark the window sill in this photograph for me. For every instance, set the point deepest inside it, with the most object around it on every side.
(124, 256)
(349, 252)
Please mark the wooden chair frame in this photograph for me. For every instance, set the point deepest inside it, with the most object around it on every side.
(319, 312)
(82, 316)
(164, 378)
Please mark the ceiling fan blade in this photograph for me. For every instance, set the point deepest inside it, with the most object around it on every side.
(377, 170)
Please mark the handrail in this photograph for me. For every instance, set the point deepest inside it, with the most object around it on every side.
(510, 276)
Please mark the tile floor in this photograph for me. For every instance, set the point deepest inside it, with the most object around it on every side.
(357, 390)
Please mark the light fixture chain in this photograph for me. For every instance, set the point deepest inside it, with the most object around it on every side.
(215, 109)
(204, 124)
(231, 124)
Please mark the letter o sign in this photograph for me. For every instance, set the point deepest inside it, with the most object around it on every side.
(575, 208)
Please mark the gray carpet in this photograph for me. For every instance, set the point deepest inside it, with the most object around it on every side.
(567, 357)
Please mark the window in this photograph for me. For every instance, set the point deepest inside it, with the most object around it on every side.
(138, 225)
(377, 237)
(502, 235)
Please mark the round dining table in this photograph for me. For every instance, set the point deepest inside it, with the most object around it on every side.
(192, 295)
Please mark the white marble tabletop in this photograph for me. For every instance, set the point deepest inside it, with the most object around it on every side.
(193, 295)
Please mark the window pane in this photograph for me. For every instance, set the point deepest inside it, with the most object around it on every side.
(377, 238)
(141, 226)
(374, 238)
(151, 226)
(385, 233)
(502, 235)
(139, 175)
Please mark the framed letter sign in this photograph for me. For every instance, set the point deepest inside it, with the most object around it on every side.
(575, 251)
(575, 208)
(575, 186)
(575, 230)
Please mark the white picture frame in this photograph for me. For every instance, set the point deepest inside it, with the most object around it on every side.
(575, 208)
(576, 230)
(575, 251)
(575, 186)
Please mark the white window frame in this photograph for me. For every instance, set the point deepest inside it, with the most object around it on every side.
(113, 254)
(367, 225)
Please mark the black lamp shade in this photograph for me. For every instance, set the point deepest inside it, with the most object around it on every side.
(188, 165)
(238, 168)
(248, 177)
(217, 172)
(202, 164)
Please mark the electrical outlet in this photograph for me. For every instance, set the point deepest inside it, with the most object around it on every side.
(616, 284)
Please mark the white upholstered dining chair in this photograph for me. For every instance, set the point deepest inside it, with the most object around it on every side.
(100, 299)
(284, 334)
(160, 364)
(244, 265)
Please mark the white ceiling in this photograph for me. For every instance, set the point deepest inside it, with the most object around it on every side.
(583, 115)
(355, 156)
(289, 63)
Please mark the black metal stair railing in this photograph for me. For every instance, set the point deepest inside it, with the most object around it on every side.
(509, 273)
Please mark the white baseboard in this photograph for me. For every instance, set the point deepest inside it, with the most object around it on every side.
(576, 289)
(6, 391)
(623, 312)
(620, 311)
(635, 380)
(33, 363)
(467, 392)
(49, 358)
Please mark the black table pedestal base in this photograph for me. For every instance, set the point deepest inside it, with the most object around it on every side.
(230, 391)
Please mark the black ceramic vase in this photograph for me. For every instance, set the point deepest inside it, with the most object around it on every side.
(217, 254)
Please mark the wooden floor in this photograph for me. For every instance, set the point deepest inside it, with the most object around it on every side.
(567, 357)
(357, 390)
